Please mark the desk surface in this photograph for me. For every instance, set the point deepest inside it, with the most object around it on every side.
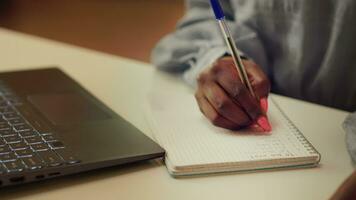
(122, 84)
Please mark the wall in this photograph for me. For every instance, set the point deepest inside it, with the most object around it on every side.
(128, 28)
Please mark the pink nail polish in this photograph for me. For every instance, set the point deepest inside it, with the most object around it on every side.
(263, 122)
(256, 128)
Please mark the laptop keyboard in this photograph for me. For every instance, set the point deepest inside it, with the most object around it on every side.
(23, 147)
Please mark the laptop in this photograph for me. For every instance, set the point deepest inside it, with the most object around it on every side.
(50, 126)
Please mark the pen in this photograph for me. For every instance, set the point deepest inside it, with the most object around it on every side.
(262, 121)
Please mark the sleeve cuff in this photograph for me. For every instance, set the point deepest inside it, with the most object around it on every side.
(205, 60)
(202, 62)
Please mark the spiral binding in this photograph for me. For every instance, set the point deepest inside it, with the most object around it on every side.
(310, 148)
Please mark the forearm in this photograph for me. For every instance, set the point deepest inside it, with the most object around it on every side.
(198, 42)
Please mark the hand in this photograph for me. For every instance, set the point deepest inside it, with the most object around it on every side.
(225, 100)
(347, 189)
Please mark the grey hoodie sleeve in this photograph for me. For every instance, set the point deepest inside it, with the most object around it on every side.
(350, 128)
(198, 42)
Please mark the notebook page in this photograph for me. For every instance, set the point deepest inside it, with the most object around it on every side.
(190, 139)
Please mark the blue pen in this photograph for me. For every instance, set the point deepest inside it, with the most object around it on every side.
(220, 17)
(262, 120)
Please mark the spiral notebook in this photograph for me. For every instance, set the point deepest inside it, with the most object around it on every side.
(194, 146)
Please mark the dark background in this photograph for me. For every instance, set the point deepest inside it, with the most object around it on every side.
(128, 28)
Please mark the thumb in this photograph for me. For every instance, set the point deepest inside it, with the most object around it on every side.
(258, 79)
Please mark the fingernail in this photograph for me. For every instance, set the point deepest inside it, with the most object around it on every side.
(264, 104)
(264, 123)
(256, 128)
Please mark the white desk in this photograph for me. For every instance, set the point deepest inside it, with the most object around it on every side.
(122, 85)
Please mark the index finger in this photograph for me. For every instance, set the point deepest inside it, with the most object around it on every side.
(230, 81)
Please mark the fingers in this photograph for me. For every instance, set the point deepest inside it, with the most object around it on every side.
(259, 81)
(225, 100)
(224, 105)
(228, 78)
(208, 110)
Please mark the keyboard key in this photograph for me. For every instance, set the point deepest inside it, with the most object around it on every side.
(2, 142)
(19, 146)
(56, 145)
(5, 150)
(67, 156)
(8, 132)
(40, 147)
(2, 120)
(16, 121)
(50, 158)
(3, 103)
(10, 115)
(33, 162)
(12, 139)
(6, 109)
(14, 166)
(44, 133)
(24, 153)
(34, 140)
(22, 127)
(27, 134)
(2, 169)
(8, 157)
(5, 126)
(49, 138)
